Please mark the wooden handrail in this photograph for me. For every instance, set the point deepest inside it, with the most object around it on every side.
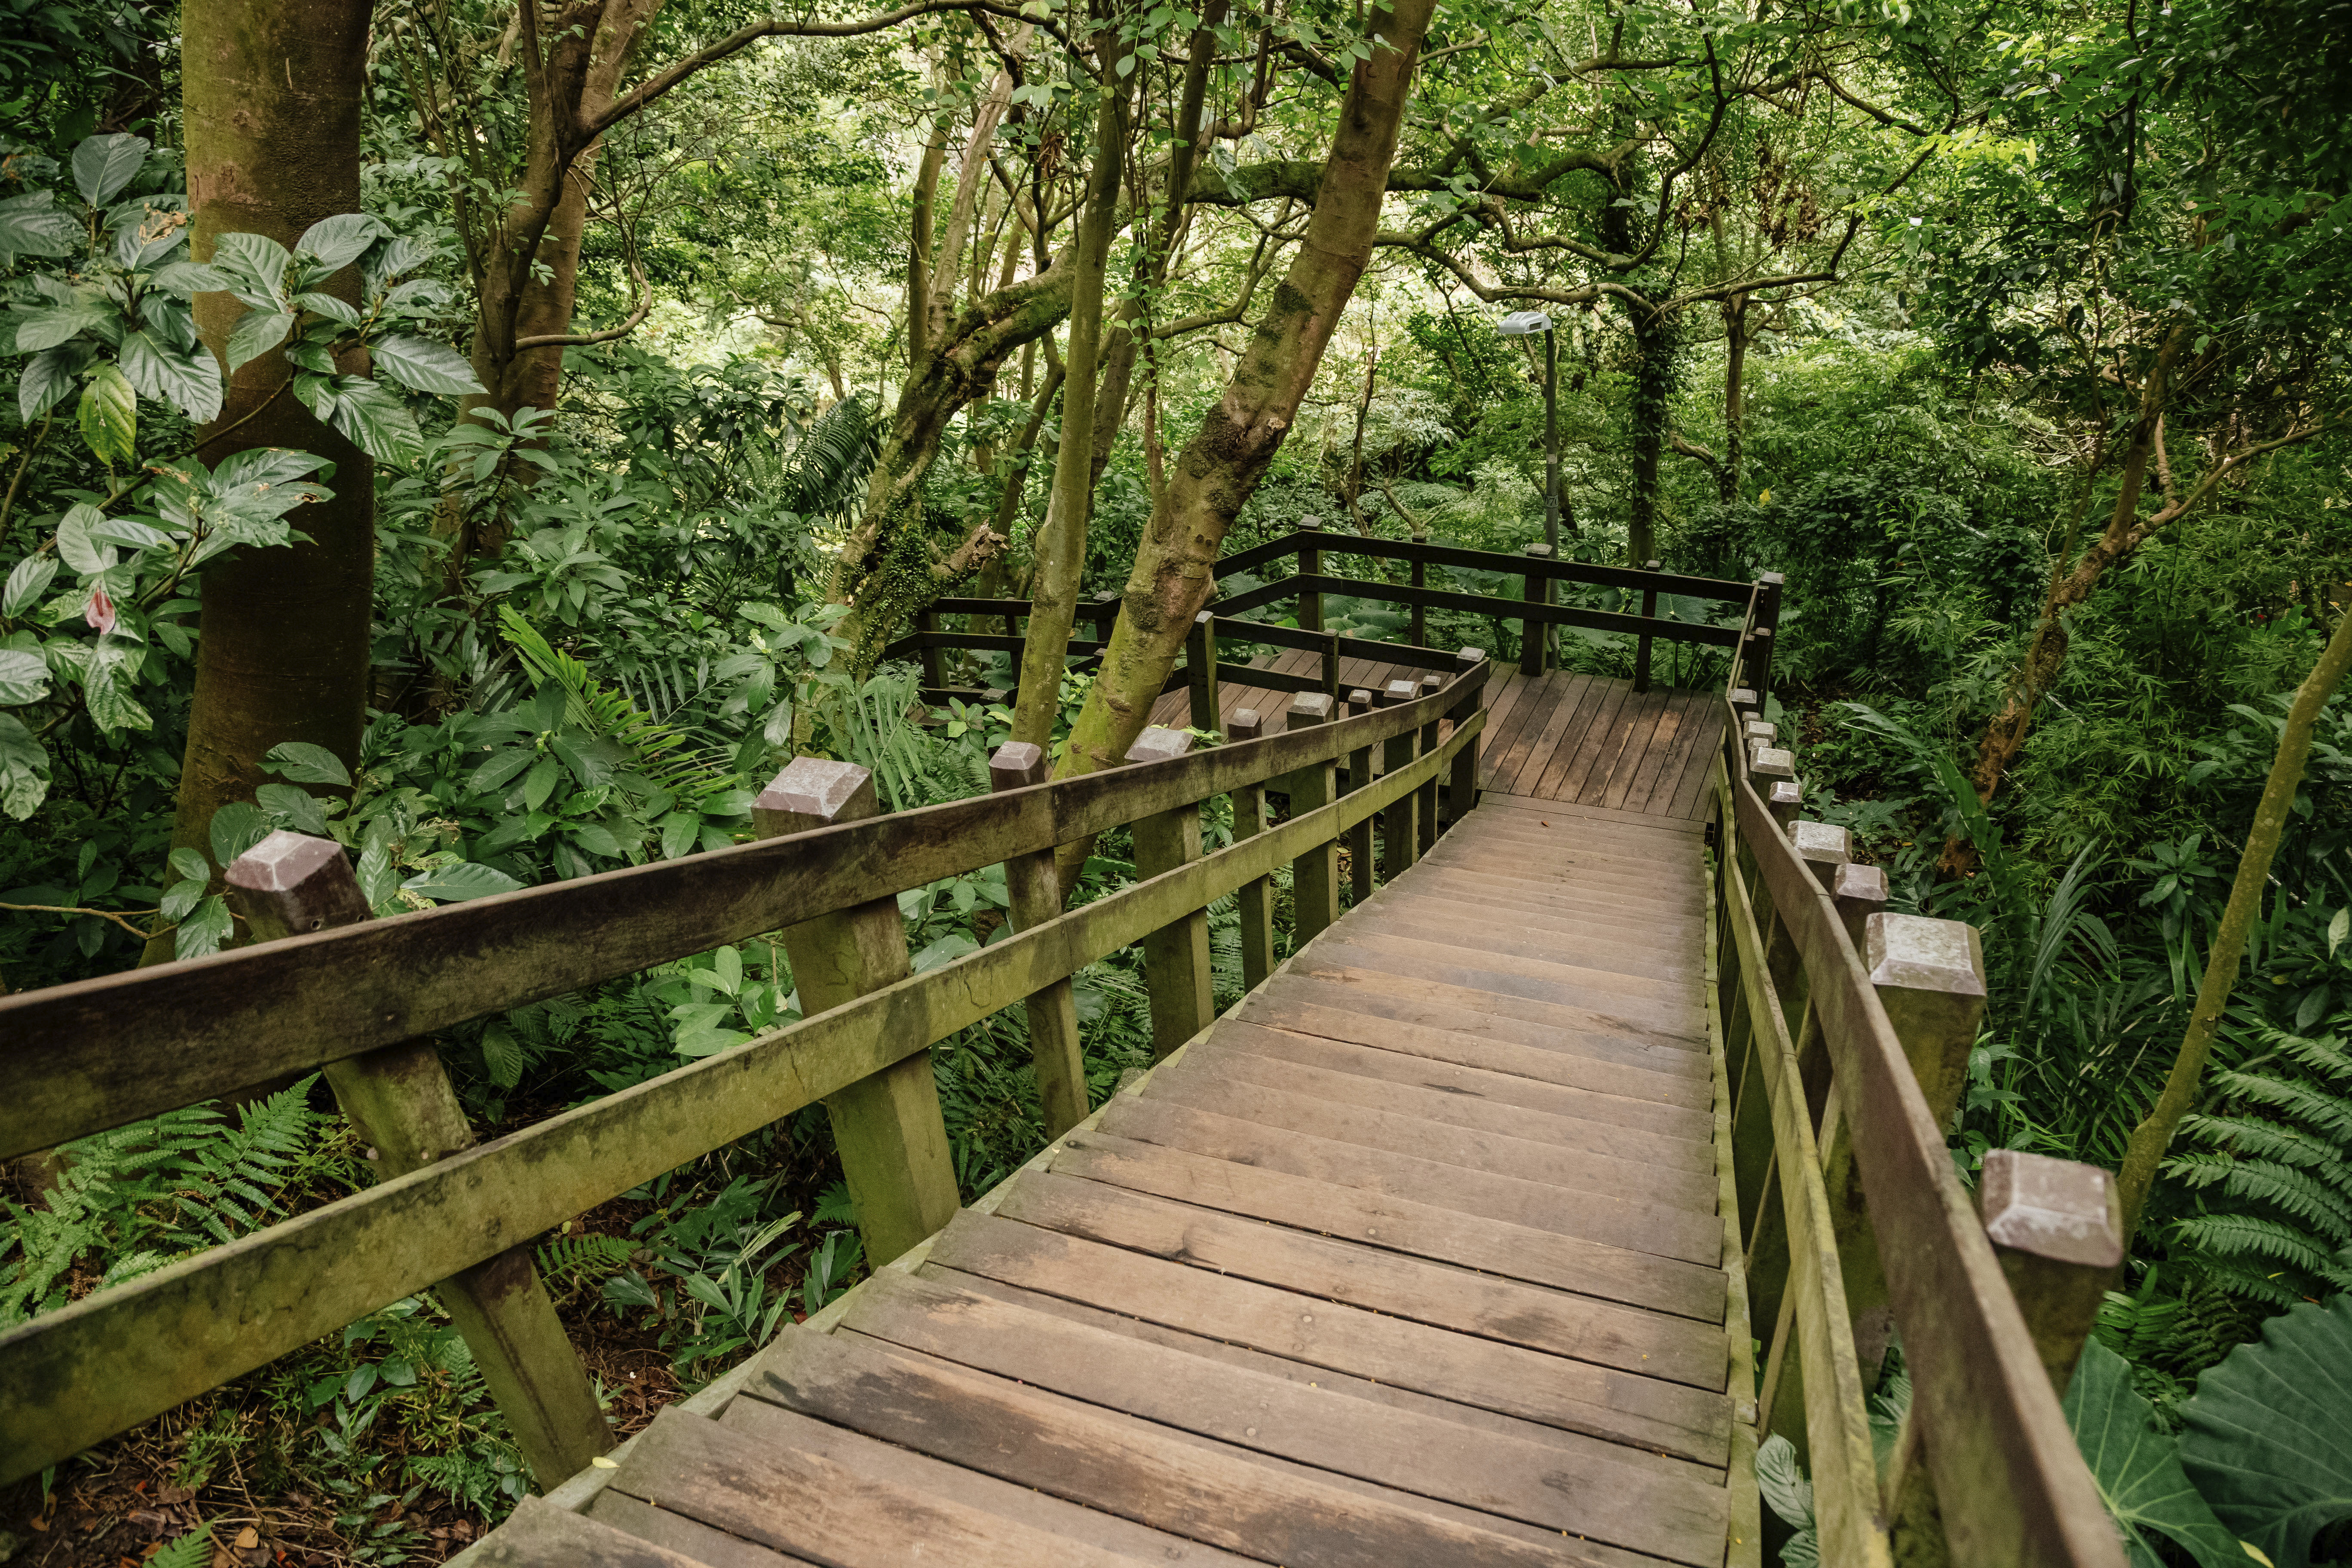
(75, 1377)
(1590, 572)
(2011, 1482)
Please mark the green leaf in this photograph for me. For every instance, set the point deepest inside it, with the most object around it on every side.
(339, 240)
(108, 414)
(34, 224)
(189, 382)
(204, 931)
(27, 583)
(47, 377)
(23, 677)
(726, 970)
(542, 783)
(180, 898)
(422, 365)
(2265, 1436)
(301, 811)
(236, 827)
(327, 305)
(453, 884)
(76, 545)
(596, 838)
(303, 762)
(104, 164)
(24, 769)
(679, 832)
(377, 421)
(186, 277)
(111, 707)
(191, 864)
(49, 327)
(2338, 929)
(2138, 1468)
(254, 265)
(255, 333)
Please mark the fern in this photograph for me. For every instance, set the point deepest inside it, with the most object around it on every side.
(883, 737)
(575, 1260)
(193, 1550)
(827, 472)
(661, 752)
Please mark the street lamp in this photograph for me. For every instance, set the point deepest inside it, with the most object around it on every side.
(1526, 323)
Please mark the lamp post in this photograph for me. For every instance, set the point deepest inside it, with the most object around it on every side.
(1526, 323)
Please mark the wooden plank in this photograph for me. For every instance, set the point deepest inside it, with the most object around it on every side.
(1691, 797)
(1574, 699)
(773, 1426)
(1605, 944)
(1140, 1471)
(1593, 1493)
(1632, 821)
(1505, 751)
(1517, 870)
(539, 1534)
(1630, 788)
(1607, 787)
(1579, 1326)
(787, 1499)
(1542, 959)
(1246, 1053)
(1566, 737)
(1400, 1225)
(1495, 931)
(1467, 1008)
(1618, 1201)
(1614, 1405)
(1655, 790)
(1664, 927)
(1474, 1085)
(675, 1533)
(1569, 830)
(1564, 773)
(1568, 848)
(1618, 995)
(1440, 1184)
(1627, 1076)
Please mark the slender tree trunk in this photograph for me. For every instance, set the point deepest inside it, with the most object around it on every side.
(272, 97)
(2151, 1137)
(1734, 397)
(1222, 466)
(1061, 553)
(1656, 339)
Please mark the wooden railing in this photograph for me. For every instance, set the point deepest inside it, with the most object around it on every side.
(329, 988)
(1847, 1031)
(1224, 620)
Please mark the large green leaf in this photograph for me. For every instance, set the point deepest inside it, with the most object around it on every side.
(34, 224)
(24, 769)
(377, 420)
(339, 240)
(2137, 1467)
(23, 677)
(2269, 1431)
(104, 164)
(189, 382)
(422, 365)
(255, 333)
(108, 414)
(54, 324)
(47, 377)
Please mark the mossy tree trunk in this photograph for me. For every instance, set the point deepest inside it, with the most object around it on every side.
(272, 101)
(1220, 469)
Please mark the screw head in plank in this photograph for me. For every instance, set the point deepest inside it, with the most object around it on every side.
(815, 792)
(1016, 764)
(1158, 743)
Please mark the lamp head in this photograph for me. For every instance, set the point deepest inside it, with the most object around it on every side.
(1524, 323)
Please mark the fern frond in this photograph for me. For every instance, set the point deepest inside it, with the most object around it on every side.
(2238, 1236)
(2269, 1141)
(2294, 1191)
(2325, 1111)
(193, 1550)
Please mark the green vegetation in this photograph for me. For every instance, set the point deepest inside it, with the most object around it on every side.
(503, 469)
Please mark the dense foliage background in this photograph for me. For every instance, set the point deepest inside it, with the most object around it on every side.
(2014, 335)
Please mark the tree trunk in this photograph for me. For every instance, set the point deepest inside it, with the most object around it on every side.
(1241, 433)
(1734, 397)
(1656, 339)
(2151, 1137)
(272, 97)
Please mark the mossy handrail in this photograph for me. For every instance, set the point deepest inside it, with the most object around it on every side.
(97, 1054)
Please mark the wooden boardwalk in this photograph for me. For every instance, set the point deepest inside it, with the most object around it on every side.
(1415, 1257)
(1589, 739)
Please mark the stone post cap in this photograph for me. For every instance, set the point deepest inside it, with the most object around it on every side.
(1359, 697)
(1772, 763)
(2059, 1209)
(1921, 954)
(1203, 618)
(1429, 683)
(1400, 691)
(1865, 884)
(1759, 730)
(1016, 764)
(1309, 707)
(1537, 549)
(817, 788)
(1787, 795)
(1246, 724)
(1470, 655)
(1158, 743)
(1743, 697)
(1821, 841)
(284, 861)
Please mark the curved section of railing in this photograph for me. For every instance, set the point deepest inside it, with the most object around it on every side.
(1847, 1032)
(100, 1053)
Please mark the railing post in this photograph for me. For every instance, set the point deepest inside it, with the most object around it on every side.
(1332, 667)
(1106, 606)
(1758, 670)
(1426, 811)
(1035, 893)
(1314, 876)
(1533, 633)
(1642, 647)
(1201, 671)
(1359, 775)
(1756, 732)
(1822, 847)
(1859, 892)
(1400, 831)
(1256, 895)
(400, 1100)
(1784, 801)
(2057, 1227)
(1420, 631)
(887, 1125)
(1310, 564)
(934, 674)
(1461, 789)
(1744, 705)
(1176, 973)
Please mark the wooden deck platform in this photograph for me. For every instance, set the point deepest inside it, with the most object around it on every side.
(1587, 739)
(1416, 1256)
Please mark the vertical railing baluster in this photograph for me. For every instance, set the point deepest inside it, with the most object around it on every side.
(1200, 672)
(1176, 971)
(1359, 776)
(1533, 632)
(1256, 895)
(1462, 788)
(934, 672)
(887, 1125)
(1310, 564)
(1400, 836)
(1642, 647)
(1420, 630)
(1314, 876)
(1033, 891)
(1425, 807)
(400, 1100)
